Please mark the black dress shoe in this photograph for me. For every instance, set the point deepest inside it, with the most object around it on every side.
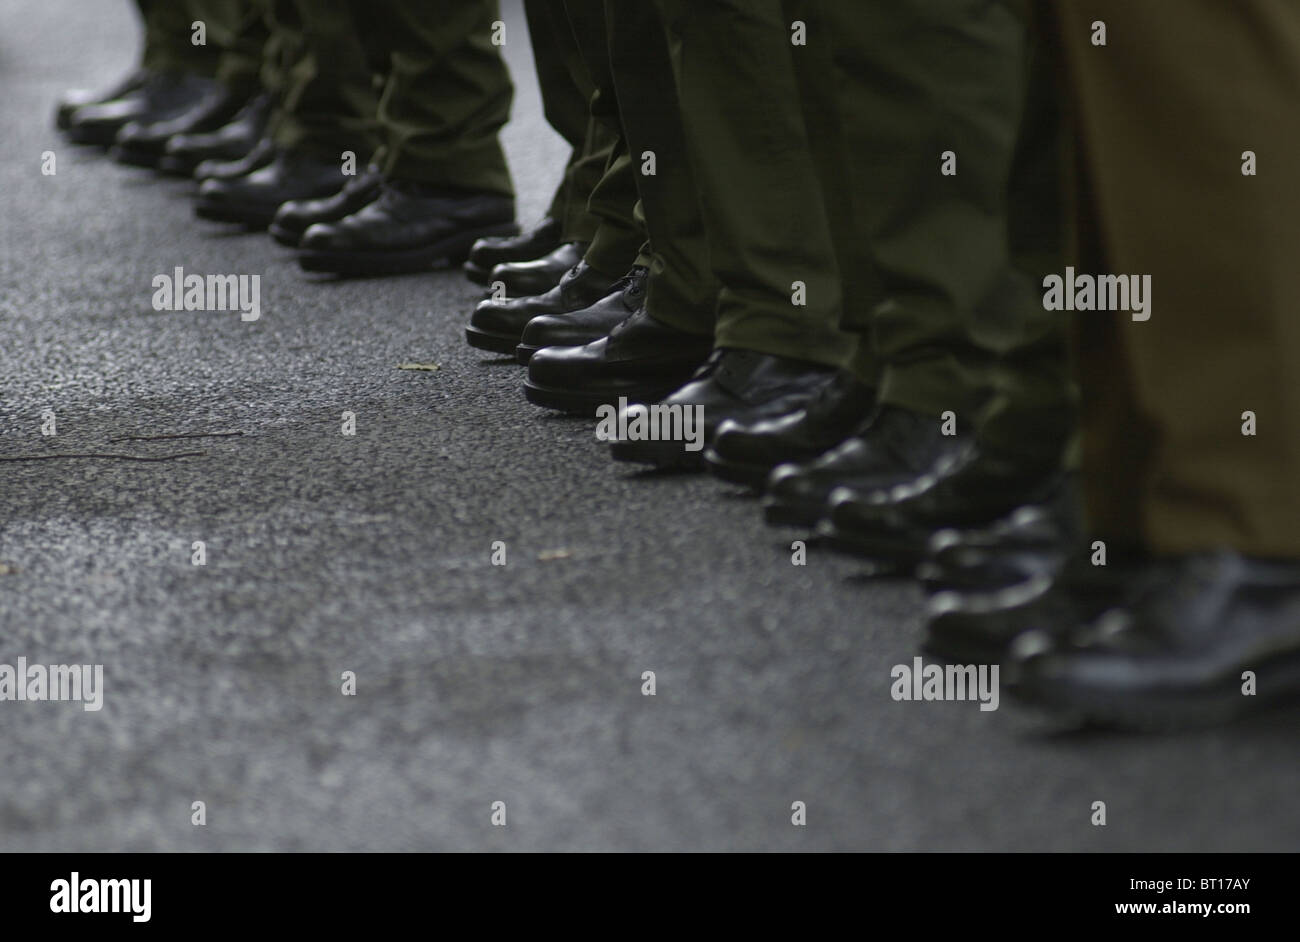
(263, 152)
(73, 99)
(410, 227)
(498, 325)
(640, 360)
(237, 137)
(980, 625)
(162, 95)
(894, 445)
(1218, 638)
(895, 523)
(539, 275)
(295, 217)
(143, 145)
(1032, 541)
(740, 385)
(252, 200)
(746, 452)
(588, 324)
(486, 254)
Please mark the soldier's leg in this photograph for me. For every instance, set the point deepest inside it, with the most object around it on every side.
(329, 100)
(168, 39)
(240, 32)
(930, 99)
(1166, 460)
(448, 95)
(564, 102)
(445, 181)
(1173, 105)
(768, 232)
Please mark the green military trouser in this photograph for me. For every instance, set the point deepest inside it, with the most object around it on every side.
(448, 93)
(617, 238)
(766, 222)
(168, 39)
(238, 28)
(283, 50)
(330, 96)
(937, 146)
(682, 291)
(1166, 113)
(567, 87)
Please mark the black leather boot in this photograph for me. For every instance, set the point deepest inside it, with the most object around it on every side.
(589, 324)
(260, 156)
(539, 275)
(740, 385)
(486, 254)
(409, 227)
(252, 200)
(295, 217)
(162, 95)
(640, 360)
(499, 325)
(75, 98)
(234, 139)
(143, 145)
(894, 445)
(746, 452)
(1216, 637)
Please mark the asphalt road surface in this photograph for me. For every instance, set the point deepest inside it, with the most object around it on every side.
(371, 553)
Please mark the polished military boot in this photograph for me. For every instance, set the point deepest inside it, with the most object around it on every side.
(73, 99)
(410, 227)
(738, 385)
(499, 325)
(893, 446)
(253, 199)
(581, 327)
(162, 95)
(1215, 637)
(746, 452)
(295, 217)
(233, 140)
(640, 360)
(143, 145)
(487, 254)
(537, 276)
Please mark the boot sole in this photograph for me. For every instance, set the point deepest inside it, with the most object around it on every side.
(1146, 712)
(779, 513)
(735, 472)
(451, 250)
(286, 237)
(496, 343)
(665, 455)
(133, 157)
(254, 217)
(476, 273)
(894, 547)
(580, 403)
